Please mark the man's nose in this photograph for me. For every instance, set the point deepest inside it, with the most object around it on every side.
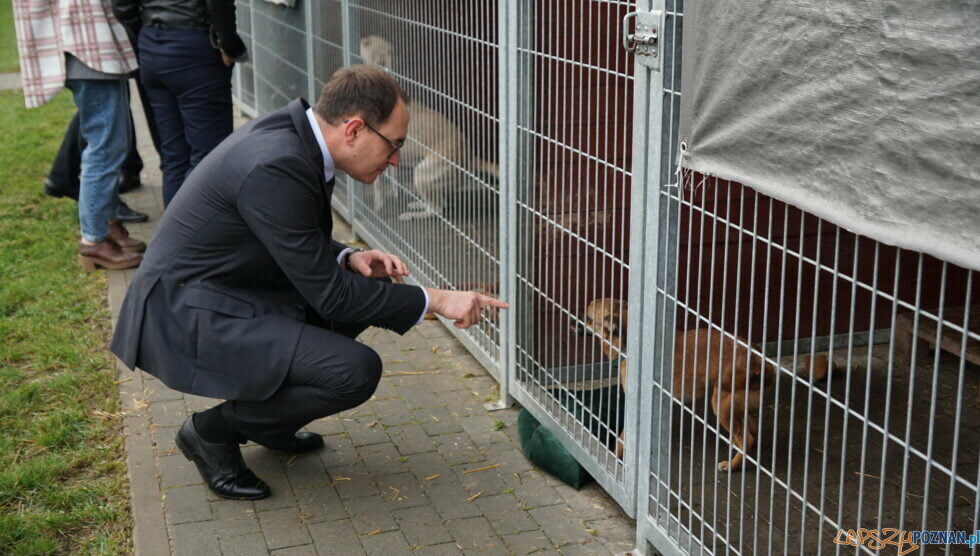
(395, 158)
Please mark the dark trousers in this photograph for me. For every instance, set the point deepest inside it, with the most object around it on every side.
(330, 372)
(67, 165)
(190, 91)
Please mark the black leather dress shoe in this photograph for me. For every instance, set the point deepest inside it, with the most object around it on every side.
(303, 442)
(128, 182)
(125, 214)
(57, 190)
(221, 465)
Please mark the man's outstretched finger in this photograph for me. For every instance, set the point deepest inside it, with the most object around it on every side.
(493, 302)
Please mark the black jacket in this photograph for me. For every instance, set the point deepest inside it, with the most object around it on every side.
(214, 16)
(217, 305)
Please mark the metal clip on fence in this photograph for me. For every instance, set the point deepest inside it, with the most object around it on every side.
(645, 42)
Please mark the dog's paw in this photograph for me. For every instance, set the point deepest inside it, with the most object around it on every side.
(726, 467)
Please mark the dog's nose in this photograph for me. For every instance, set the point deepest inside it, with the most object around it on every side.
(579, 329)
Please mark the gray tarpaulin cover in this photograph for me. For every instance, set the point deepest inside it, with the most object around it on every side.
(864, 113)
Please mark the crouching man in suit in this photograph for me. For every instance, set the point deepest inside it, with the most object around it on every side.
(244, 296)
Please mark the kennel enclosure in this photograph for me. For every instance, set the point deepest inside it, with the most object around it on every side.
(798, 180)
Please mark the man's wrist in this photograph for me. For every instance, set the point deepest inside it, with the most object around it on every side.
(435, 299)
(348, 256)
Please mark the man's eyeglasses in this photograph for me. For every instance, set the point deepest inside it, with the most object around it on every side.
(394, 147)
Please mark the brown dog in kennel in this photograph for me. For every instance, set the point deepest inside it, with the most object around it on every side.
(706, 363)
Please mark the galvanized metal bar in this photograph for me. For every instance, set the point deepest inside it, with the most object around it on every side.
(888, 390)
(762, 383)
(796, 334)
(847, 390)
(254, 58)
(932, 401)
(809, 392)
(310, 62)
(958, 412)
(647, 450)
(346, 41)
(507, 90)
(779, 344)
(867, 379)
(744, 341)
(908, 420)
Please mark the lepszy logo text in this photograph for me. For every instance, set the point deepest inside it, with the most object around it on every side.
(905, 541)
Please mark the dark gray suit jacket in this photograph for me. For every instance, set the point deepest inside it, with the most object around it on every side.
(218, 303)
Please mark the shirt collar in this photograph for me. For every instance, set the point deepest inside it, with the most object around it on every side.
(328, 168)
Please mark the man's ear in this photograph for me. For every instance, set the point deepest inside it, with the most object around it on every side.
(351, 126)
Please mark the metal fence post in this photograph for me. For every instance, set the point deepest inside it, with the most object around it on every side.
(655, 244)
(507, 199)
(255, 59)
(310, 71)
(345, 25)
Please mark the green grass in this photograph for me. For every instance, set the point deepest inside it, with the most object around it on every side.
(9, 62)
(63, 486)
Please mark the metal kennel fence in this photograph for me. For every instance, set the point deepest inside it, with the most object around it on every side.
(542, 167)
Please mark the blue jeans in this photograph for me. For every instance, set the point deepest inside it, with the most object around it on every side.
(103, 113)
(190, 91)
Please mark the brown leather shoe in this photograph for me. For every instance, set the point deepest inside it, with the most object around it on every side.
(106, 254)
(119, 235)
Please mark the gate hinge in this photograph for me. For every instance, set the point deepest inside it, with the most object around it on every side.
(645, 41)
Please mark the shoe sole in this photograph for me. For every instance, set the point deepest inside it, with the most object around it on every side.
(133, 220)
(92, 264)
(191, 458)
(132, 249)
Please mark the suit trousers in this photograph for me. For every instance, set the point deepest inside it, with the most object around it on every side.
(190, 94)
(330, 372)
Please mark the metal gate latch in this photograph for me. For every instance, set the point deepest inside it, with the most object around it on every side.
(645, 41)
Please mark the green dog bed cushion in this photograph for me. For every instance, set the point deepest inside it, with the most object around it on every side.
(543, 450)
(606, 415)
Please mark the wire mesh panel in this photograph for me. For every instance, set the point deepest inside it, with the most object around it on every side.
(820, 381)
(279, 54)
(573, 213)
(438, 208)
(806, 384)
